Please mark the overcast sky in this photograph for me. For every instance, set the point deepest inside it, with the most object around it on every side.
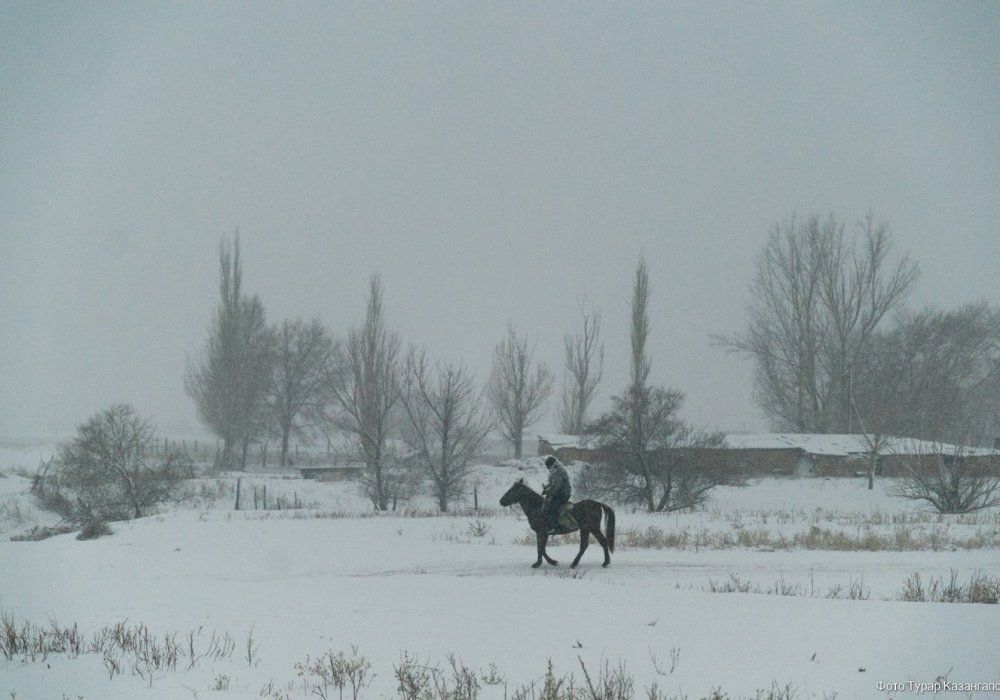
(493, 162)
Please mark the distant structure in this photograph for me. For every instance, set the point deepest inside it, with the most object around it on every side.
(800, 454)
(339, 472)
(568, 448)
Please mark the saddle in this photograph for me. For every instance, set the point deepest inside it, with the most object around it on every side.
(566, 522)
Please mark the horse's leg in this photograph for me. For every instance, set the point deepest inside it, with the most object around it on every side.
(584, 541)
(546, 554)
(604, 545)
(540, 539)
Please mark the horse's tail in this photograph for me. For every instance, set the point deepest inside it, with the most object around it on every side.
(610, 515)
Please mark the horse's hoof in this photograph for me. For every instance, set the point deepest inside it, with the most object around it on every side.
(605, 564)
(536, 565)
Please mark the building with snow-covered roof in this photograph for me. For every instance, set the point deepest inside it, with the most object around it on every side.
(568, 448)
(802, 454)
(844, 455)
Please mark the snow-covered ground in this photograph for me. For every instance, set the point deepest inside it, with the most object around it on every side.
(407, 591)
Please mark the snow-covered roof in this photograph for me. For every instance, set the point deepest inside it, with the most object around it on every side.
(559, 441)
(809, 443)
(835, 445)
(845, 445)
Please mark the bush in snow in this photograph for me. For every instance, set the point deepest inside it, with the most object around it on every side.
(109, 470)
(651, 459)
(980, 589)
(951, 483)
(336, 671)
(98, 527)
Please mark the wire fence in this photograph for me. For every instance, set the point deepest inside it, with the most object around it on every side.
(265, 456)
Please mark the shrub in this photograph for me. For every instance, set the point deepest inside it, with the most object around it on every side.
(951, 483)
(109, 470)
(479, 528)
(980, 589)
(98, 527)
(42, 532)
(336, 671)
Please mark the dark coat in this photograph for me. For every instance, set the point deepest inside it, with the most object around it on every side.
(558, 488)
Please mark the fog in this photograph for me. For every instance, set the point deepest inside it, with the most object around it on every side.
(493, 162)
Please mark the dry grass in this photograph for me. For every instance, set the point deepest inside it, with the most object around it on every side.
(980, 588)
(896, 539)
(131, 649)
(855, 590)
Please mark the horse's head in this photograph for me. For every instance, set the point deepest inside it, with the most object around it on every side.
(513, 494)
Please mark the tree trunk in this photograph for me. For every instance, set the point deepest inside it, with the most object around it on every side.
(227, 454)
(381, 495)
(284, 445)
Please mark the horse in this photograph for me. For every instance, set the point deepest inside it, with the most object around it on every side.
(586, 513)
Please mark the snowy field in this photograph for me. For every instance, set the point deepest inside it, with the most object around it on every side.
(259, 596)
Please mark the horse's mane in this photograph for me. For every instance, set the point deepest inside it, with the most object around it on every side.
(520, 482)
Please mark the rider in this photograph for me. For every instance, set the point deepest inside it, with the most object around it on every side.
(556, 492)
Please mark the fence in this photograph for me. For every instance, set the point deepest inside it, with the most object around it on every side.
(260, 457)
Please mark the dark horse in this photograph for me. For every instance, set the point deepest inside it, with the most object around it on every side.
(586, 513)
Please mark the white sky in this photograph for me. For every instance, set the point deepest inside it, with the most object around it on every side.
(492, 161)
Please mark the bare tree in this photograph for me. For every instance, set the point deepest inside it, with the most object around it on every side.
(655, 461)
(584, 368)
(110, 470)
(874, 393)
(816, 300)
(933, 376)
(954, 482)
(306, 357)
(230, 380)
(517, 388)
(446, 422)
(257, 341)
(859, 287)
(639, 332)
(784, 335)
(366, 400)
(646, 454)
